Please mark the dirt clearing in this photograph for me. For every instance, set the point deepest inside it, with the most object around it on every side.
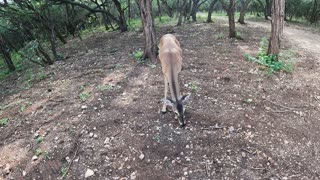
(97, 113)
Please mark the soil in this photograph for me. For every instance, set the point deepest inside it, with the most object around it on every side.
(99, 110)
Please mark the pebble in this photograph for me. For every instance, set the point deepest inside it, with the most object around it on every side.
(133, 175)
(95, 136)
(88, 173)
(84, 107)
(91, 135)
(34, 158)
(141, 157)
(7, 169)
(107, 140)
(24, 173)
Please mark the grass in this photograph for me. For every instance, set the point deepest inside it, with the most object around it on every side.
(108, 87)
(84, 95)
(4, 121)
(193, 87)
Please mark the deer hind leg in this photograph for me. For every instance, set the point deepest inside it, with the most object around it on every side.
(164, 106)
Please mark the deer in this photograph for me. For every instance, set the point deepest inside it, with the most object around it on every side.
(170, 56)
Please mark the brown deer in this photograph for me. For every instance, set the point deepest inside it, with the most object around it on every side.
(170, 55)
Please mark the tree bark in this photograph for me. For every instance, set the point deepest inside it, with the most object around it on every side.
(159, 10)
(243, 10)
(169, 9)
(150, 49)
(230, 10)
(6, 55)
(276, 27)
(182, 12)
(122, 18)
(212, 4)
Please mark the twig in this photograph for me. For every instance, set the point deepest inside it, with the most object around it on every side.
(74, 156)
(116, 134)
(207, 170)
(255, 168)
(286, 107)
(213, 127)
(146, 126)
(178, 162)
(248, 151)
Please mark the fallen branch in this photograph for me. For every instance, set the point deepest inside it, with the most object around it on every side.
(69, 166)
(178, 162)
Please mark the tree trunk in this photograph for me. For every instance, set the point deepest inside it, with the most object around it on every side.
(122, 18)
(194, 10)
(230, 10)
(243, 10)
(159, 10)
(169, 9)
(277, 27)
(6, 55)
(52, 34)
(212, 4)
(129, 11)
(182, 12)
(150, 49)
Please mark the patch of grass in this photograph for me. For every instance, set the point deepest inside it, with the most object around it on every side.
(84, 95)
(220, 36)
(152, 66)
(193, 87)
(138, 55)
(239, 36)
(64, 170)
(38, 152)
(4, 121)
(46, 155)
(272, 62)
(39, 139)
(108, 87)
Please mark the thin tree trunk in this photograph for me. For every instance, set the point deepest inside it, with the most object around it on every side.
(276, 27)
(122, 19)
(182, 11)
(129, 11)
(6, 55)
(230, 10)
(212, 4)
(159, 10)
(52, 35)
(150, 49)
(243, 10)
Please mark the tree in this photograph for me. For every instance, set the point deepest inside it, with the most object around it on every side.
(276, 27)
(212, 4)
(230, 10)
(4, 50)
(243, 10)
(150, 46)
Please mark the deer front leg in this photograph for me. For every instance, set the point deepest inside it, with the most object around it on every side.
(164, 107)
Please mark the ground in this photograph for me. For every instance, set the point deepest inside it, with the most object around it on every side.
(97, 112)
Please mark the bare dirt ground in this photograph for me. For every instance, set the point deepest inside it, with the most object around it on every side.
(97, 113)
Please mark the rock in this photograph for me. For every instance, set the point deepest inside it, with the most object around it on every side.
(24, 173)
(7, 169)
(107, 140)
(133, 175)
(34, 158)
(141, 157)
(231, 129)
(95, 136)
(88, 173)
(91, 134)
(84, 107)
(68, 159)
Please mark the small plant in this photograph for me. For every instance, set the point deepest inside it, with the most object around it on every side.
(38, 152)
(220, 36)
(46, 155)
(239, 36)
(193, 87)
(22, 108)
(39, 139)
(64, 170)
(108, 87)
(138, 55)
(4, 121)
(84, 95)
(152, 66)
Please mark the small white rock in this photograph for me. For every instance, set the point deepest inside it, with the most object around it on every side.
(133, 175)
(91, 135)
(24, 173)
(141, 157)
(107, 140)
(88, 173)
(95, 136)
(34, 158)
(84, 107)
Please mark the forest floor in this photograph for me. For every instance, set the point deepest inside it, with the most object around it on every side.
(97, 112)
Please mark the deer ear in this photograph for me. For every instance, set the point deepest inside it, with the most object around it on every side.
(167, 102)
(185, 99)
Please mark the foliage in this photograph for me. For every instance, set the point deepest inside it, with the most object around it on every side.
(272, 62)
